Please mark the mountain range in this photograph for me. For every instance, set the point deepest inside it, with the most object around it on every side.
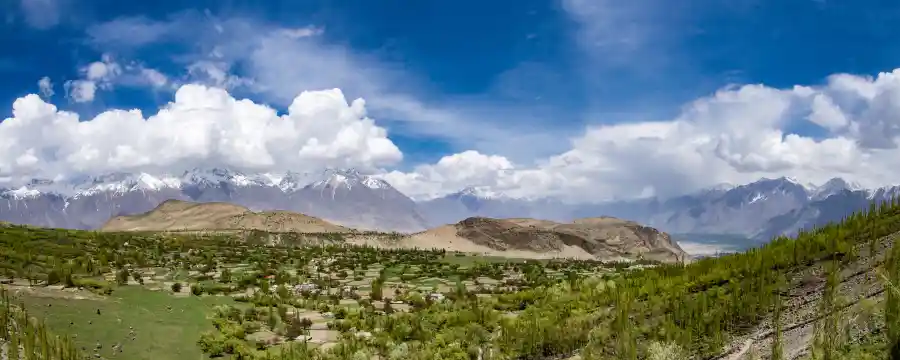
(756, 211)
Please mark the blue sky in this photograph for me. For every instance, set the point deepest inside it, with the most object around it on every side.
(448, 76)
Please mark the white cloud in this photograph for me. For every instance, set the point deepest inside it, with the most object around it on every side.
(108, 73)
(201, 127)
(302, 32)
(216, 73)
(46, 87)
(451, 172)
(154, 77)
(81, 90)
(276, 63)
(736, 135)
(96, 75)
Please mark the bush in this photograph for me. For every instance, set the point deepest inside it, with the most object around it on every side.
(212, 344)
(251, 326)
(53, 277)
(196, 290)
(176, 287)
(122, 277)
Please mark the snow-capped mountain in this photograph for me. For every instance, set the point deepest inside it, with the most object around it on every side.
(832, 187)
(348, 197)
(352, 199)
(757, 210)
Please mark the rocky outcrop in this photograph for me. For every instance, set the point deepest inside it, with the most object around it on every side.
(603, 237)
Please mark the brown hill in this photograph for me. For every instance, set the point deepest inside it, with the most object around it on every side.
(602, 238)
(177, 215)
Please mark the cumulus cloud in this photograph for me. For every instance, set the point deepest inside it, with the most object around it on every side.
(275, 63)
(203, 126)
(736, 135)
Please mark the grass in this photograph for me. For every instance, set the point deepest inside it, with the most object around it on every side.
(159, 333)
(468, 260)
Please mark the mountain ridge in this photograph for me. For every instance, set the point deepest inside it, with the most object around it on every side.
(177, 215)
(593, 239)
(758, 210)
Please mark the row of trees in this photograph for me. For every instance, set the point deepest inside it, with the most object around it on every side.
(27, 338)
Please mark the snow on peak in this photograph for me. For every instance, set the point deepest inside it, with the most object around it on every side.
(207, 176)
(778, 184)
(215, 176)
(375, 183)
(22, 193)
(832, 187)
(292, 181)
(349, 178)
(124, 182)
(334, 181)
(481, 192)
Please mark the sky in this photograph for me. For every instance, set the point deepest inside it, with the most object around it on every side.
(583, 100)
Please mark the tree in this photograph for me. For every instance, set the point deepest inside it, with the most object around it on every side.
(777, 340)
(225, 276)
(272, 319)
(377, 291)
(122, 277)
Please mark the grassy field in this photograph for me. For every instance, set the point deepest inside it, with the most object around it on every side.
(165, 326)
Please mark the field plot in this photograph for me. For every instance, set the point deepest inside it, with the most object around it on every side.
(132, 323)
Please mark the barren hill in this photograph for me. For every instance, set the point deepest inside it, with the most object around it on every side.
(177, 215)
(596, 238)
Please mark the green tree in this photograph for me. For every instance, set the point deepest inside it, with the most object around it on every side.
(377, 291)
(122, 277)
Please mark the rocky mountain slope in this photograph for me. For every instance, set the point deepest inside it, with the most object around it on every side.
(176, 215)
(603, 237)
(756, 211)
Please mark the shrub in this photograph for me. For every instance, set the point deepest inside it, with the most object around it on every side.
(212, 344)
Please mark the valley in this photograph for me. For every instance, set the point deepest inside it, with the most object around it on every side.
(252, 294)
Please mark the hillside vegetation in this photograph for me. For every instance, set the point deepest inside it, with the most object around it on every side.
(826, 294)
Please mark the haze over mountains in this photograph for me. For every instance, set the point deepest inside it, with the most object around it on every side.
(756, 211)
